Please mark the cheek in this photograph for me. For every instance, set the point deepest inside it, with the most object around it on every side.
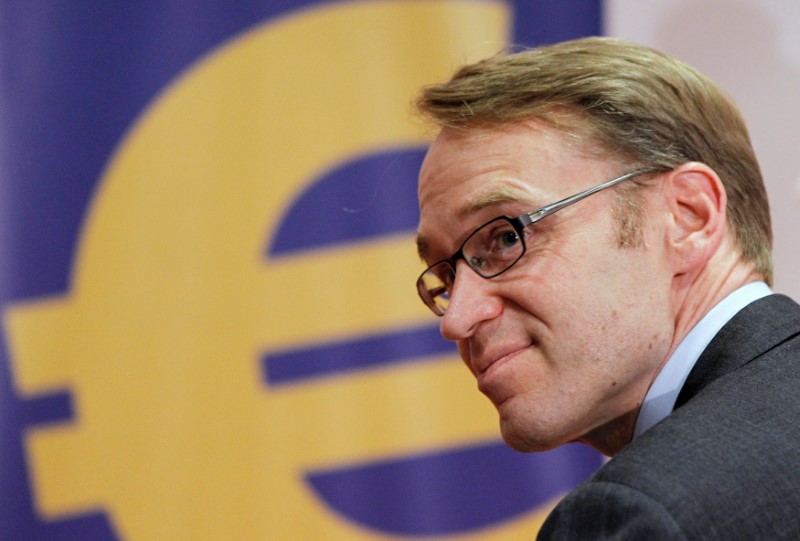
(554, 288)
(590, 306)
(463, 351)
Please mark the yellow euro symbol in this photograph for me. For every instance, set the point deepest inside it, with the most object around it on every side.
(172, 302)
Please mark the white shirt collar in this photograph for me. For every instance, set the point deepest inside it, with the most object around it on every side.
(661, 397)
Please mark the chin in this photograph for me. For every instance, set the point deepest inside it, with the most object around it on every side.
(528, 430)
(525, 441)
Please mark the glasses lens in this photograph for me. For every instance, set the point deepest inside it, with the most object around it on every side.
(493, 248)
(434, 287)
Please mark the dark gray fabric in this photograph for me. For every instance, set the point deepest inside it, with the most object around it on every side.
(725, 465)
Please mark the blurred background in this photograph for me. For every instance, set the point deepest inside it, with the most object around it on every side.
(207, 215)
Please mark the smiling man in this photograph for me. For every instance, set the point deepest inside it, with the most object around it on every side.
(598, 239)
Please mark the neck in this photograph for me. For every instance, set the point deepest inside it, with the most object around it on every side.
(695, 296)
(613, 436)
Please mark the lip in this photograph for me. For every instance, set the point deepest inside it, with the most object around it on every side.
(487, 370)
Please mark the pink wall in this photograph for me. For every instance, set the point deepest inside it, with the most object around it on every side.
(752, 49)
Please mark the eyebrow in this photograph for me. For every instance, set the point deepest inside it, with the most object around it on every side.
(498, 197)
(422, 247)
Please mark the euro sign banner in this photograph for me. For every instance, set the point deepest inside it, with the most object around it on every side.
(209, 324)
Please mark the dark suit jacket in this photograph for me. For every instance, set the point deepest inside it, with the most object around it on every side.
(725, 465)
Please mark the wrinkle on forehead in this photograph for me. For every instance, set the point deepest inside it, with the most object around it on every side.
(501, 195)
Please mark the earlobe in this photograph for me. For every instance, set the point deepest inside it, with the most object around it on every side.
(697, 203)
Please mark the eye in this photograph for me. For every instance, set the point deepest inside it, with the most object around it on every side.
(508, 239)
(446, 276)
(501, 239)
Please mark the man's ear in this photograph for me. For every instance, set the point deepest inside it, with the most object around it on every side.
(697, 202)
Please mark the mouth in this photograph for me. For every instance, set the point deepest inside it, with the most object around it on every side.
(489, 374)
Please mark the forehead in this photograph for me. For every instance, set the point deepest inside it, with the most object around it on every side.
(466, 174)
(525, 152)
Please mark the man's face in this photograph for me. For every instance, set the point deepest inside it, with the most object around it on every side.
(565, 343)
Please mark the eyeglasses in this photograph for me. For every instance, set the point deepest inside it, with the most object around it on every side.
(493, 248)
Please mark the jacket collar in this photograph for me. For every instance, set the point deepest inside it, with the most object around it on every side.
(759, 327)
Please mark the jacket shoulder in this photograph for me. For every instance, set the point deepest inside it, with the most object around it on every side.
(724, 465)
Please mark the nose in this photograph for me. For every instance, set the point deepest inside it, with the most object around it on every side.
(471, 303)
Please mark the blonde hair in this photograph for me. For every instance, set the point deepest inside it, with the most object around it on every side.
(635, 104)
